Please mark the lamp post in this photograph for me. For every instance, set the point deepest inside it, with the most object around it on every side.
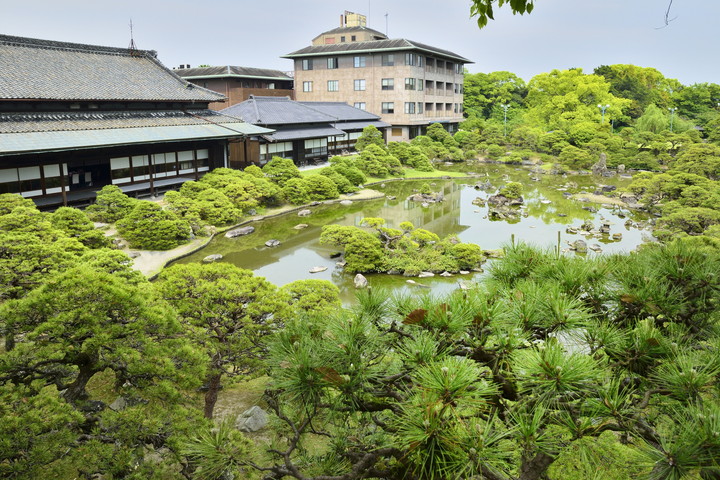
(672, 114)
(505, 107)
(602, 109)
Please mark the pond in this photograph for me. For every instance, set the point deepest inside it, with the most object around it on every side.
(546, 214)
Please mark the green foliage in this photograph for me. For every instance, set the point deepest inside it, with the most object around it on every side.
(376, 162)
(313, 297)
(512, 190)
(295, 192)
(217, 452)
(255, 171)
(320, 187)
(75, 224)
(370, 136)
(111, 204)
(227, 311)
(8, 201)
(280, 170)
(149, 227)
(363, 251)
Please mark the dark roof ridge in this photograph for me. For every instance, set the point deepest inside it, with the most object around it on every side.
(69, 46)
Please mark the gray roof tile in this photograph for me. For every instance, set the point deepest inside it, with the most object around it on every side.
(49, 70)
(231, 71)
(87, 121)
(276, 111)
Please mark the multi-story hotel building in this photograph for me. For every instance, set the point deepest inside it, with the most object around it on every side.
(409, 84)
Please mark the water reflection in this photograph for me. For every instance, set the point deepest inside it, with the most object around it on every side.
(545, 213)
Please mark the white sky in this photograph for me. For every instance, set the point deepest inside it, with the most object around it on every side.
(558, 34)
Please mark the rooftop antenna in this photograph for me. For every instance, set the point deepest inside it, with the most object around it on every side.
(132, 47)
(386, 24)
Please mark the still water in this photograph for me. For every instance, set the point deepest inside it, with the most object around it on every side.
(545, 213)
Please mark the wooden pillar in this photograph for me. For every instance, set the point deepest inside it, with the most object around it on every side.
(62, 185)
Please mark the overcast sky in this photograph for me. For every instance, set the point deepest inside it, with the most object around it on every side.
(558, 34)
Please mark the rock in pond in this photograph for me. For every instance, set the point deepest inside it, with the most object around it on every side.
(212, 258)
(300, 226)
(426, 274)
(239, 232)
(272, 243)
(318, 269)
(304, 212)
(346, 203)
(360, 281)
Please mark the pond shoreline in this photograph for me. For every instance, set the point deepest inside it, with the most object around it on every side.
(151, 263)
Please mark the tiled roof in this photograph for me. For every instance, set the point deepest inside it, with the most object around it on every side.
(86, 121)
(374, 46)
(304, 133)
(49, 70)
(37, 142)
(231, 71)
(276, 111)
(341, 111)
(347, 126)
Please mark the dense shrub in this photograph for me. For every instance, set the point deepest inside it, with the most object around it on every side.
(111, 204)
(149, 227)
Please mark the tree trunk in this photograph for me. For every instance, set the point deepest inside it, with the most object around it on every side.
(211, 396)
(76, 390)
(534, 468)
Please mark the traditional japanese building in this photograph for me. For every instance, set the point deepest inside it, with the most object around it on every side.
(238, 83)
(306, 132)
(74, 118)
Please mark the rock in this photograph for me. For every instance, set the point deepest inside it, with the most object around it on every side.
(133, 254)
(212, 258)
(238, 232)
(479, 201)
(272, 243)
(421, 285)
(621, 168)
(252, 212)
(426, 274)
(545, 202)
(587, 226)
(562, 214)
(304, 212)
(608, 188)
(252, 420)
(631, 200)
(501, 200)
(595, 248)
(120, 403)
(340, 264)
(300, 226)
(571, 230)
(346, 203)
(499, 253)
(335, 254)
(424, 204)
(360, 281)
(318, 269)
(446, 274)
(391, 197)
(464, 272)
(617, 236)
(601, 166)
(579, 246)
(315, 203)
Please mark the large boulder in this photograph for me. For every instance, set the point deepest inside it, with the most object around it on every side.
(239, 232)
(360, 281)
(304, 213)
(252, 420)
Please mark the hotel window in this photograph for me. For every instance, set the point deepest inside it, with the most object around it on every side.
(307, 64)
(359, 85)
(410, 59)
(459, 68)
(359, 62)
(352, 38)
(410, 107)
(307, 86)
(420, 60)
(388, 107)
(360, 105)
(388, 60)
(333, 86)
(409, 84)
(332, 63)
(420, 83)
(420, 107)
(388, 83)
(342, 39)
